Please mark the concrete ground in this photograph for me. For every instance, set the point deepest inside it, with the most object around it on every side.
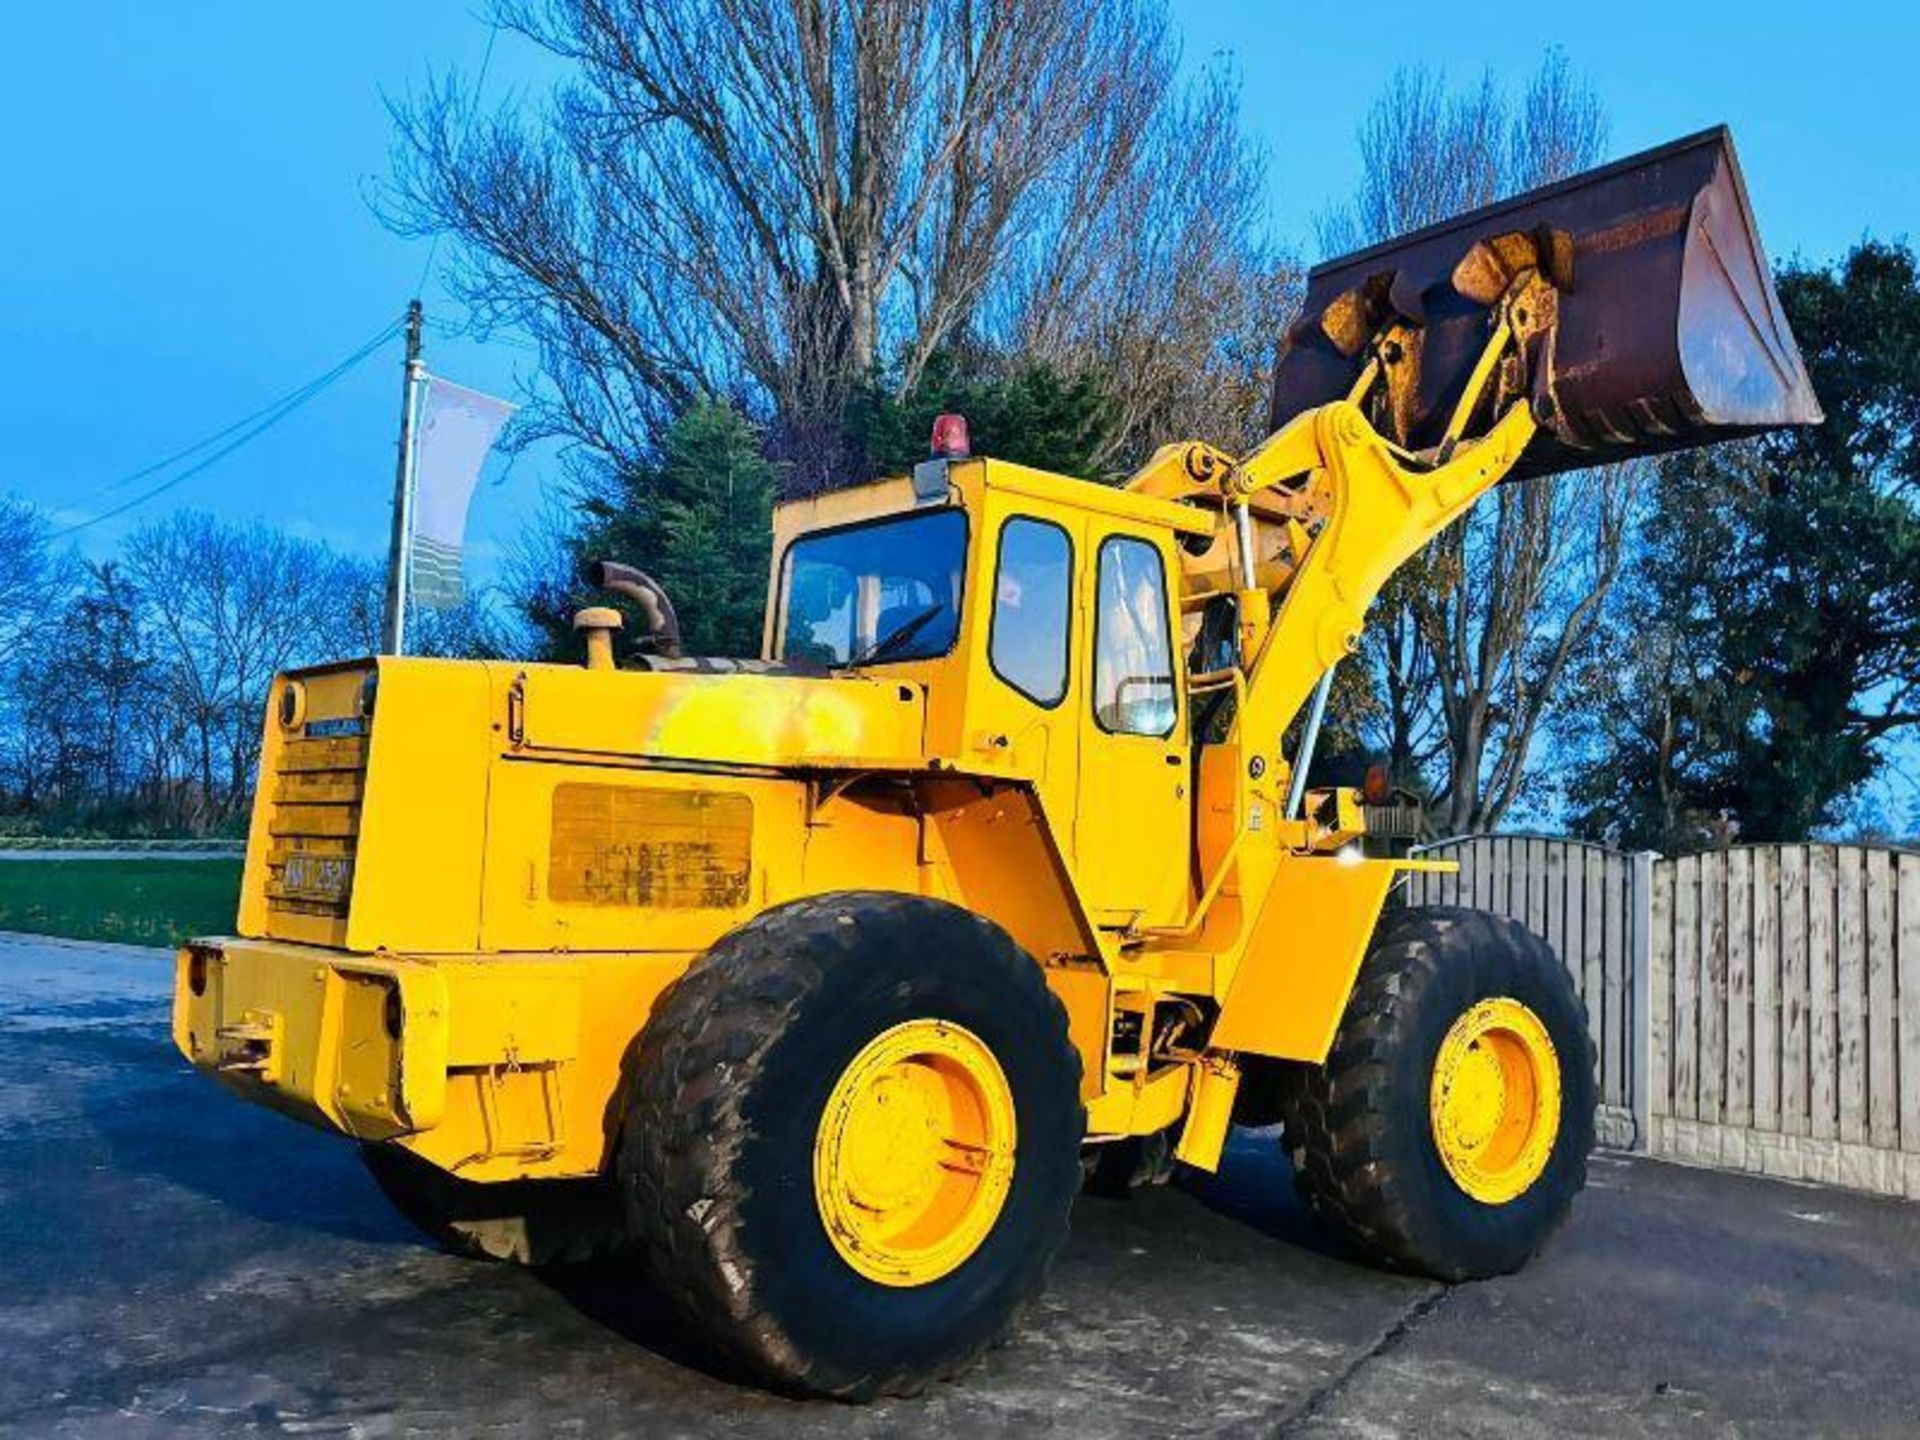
(175, 1261)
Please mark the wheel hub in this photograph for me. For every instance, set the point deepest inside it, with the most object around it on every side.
(1495, 1101)
(914, 1156)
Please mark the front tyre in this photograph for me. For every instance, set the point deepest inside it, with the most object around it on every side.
(852, 1141)
(1449, 1129)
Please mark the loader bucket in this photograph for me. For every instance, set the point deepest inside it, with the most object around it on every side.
(1667, 333)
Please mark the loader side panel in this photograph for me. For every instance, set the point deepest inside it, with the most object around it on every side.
(1290, 987)
(621, 858)
(563, 712)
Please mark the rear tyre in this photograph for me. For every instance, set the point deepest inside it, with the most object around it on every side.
(852, 1142)
(1449, 1129)
(525, 1222)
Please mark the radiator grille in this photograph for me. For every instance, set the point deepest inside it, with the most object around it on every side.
(312, 832)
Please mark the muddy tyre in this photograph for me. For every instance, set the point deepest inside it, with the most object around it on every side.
(524, 1222)
(1448, 1132)
(852, 1142)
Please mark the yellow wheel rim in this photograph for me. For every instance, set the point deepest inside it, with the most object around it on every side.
(1496, 1100)
(914, 1156)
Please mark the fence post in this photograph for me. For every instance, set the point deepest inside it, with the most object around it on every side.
(1640, 997)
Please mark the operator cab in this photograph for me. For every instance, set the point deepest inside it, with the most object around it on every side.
(1042, 616)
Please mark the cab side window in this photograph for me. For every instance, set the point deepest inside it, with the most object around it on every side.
(1027, 644)
(1133, 684)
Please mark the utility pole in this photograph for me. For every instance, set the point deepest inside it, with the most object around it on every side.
(393, 628)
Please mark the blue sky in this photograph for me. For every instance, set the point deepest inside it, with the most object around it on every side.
(187, 235)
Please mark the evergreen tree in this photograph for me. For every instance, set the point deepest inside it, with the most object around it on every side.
(1769, 653)
(696, 518)
(1027, 412)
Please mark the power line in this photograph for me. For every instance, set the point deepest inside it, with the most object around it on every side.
(168, 462)
(248, 429)
(446, 329)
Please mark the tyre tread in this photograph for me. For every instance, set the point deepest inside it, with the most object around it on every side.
(1340, 1116)
(715, 1026)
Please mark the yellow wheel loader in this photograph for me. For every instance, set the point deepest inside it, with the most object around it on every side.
(811, 979)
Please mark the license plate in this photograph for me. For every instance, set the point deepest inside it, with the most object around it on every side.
(318, 877)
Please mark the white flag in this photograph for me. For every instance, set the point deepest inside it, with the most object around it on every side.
(457, 428)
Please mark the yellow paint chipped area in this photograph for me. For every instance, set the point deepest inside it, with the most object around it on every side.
(777, 721)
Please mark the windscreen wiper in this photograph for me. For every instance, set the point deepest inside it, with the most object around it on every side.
(890, 642)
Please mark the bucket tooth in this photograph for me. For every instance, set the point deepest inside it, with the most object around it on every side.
(1667, 332)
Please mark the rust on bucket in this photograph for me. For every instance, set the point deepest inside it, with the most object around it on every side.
(1656, 327)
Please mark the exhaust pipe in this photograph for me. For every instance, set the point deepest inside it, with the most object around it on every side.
(1658, 328)
(663, 625)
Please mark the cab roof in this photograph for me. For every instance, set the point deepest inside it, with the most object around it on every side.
(973, 476)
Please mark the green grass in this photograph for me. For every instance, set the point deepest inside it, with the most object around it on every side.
(134, 902)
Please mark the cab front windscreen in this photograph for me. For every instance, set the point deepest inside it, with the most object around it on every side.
(874, 593)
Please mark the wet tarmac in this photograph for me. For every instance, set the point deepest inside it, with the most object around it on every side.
(173, 1261)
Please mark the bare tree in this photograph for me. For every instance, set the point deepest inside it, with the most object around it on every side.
(1428, 152)
(1476, 637)
(29, 579)
(132, 691)
(224, 607)
(1524, 586)
(772, 199)
(1150, 272)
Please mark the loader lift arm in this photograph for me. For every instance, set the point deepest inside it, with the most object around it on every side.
(1383, 504)
(1373, 505)
(1355, 508)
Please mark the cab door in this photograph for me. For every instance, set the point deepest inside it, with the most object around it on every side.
(1131, 832)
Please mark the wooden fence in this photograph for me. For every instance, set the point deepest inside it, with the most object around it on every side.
(1580, 898)
(1786, 1013)
(1755, 1008)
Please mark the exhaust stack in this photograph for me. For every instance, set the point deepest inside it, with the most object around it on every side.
(1658, 328)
